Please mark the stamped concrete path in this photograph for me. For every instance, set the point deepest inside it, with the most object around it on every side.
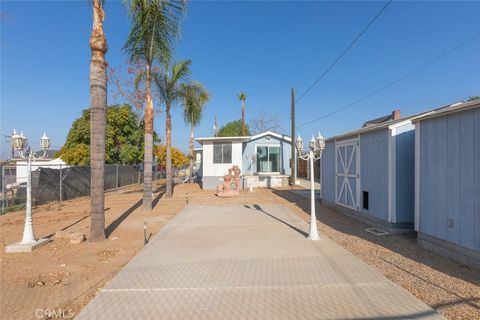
(248, 262)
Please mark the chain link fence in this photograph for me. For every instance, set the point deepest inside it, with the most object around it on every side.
(57, 182)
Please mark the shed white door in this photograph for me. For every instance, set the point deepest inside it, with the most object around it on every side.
(347, 175)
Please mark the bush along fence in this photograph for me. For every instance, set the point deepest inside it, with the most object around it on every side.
(61, 182)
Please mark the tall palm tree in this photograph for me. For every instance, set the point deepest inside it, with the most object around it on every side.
(242, 97)
(195, 96)
(155, 24)
(169, 86)
(98, 122)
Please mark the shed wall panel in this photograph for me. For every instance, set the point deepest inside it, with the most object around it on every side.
(405, 173)
(449, 178)
(466, 178)
(374, 172)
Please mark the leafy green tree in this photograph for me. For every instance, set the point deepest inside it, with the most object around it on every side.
(195, 96)
(155, 25)
(124, 138)
(233, 129)
(169, 86)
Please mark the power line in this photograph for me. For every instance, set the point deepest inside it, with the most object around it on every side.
(394, 82)
(344, 51)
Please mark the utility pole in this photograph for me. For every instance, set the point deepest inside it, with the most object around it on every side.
(293, 159)
(215, 127)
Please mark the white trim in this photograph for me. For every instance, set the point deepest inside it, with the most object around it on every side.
(399, 124)
(392, 185)
(271, 133)
(417, 176)
(359, 176)
(346, 141)
(256, 158)
(346, 165)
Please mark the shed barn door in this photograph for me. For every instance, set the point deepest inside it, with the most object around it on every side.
(347, 177)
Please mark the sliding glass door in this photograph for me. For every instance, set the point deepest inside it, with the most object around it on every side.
(268, 159)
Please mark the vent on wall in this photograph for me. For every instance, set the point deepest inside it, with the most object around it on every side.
(365, 200)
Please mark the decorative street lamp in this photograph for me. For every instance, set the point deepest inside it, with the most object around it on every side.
(316, 148)
(20, 144)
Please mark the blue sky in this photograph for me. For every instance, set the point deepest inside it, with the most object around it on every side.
(261, 48)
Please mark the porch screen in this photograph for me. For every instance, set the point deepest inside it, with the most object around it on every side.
(222, 153)
(268, 159)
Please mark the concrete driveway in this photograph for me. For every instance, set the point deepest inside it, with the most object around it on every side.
(248, 262)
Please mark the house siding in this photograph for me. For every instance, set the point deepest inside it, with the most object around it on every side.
(405, 172)
(450, 178)
(213, 172)
(374, 172)
(249, 150)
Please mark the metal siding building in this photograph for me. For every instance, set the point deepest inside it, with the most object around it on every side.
(368, 174)
(447, 198)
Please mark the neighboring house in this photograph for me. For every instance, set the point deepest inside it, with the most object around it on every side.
(197, 164)
(48, 162)
(368, 173)
(264, 159)
(447, 181)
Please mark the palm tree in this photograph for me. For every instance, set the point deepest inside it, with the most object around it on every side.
(169, 86)
(242, 97)
(155, 24)
(98, 122)
(195, 95)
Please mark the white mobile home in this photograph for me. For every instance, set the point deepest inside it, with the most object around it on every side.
(263, 158)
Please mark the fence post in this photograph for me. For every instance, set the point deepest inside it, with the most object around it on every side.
(3, 188)
(61, 184)
(116, 177)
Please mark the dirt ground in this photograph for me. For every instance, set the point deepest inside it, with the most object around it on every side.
(66, 276)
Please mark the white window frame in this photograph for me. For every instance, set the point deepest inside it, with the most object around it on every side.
(213, 152)
(279, 162)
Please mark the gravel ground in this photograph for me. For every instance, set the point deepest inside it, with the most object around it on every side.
(450, 288)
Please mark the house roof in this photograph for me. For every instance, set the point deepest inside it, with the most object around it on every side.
(377, 121)
(226, 139)
(244, 138)
(271, 133)
(453, 108)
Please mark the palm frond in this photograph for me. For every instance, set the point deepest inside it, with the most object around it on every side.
(242, 96)
(155, 27)
(195, 96)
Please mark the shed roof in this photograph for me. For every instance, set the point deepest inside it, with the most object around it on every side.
(453, 108)
(450, 108)
(375, 127)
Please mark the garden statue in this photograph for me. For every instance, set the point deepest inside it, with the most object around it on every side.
(231, 183)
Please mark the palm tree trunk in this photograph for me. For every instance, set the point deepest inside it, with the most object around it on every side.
(168, 127)
(148, 145)
(191, 153)
(243, 118)
(98, 123)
